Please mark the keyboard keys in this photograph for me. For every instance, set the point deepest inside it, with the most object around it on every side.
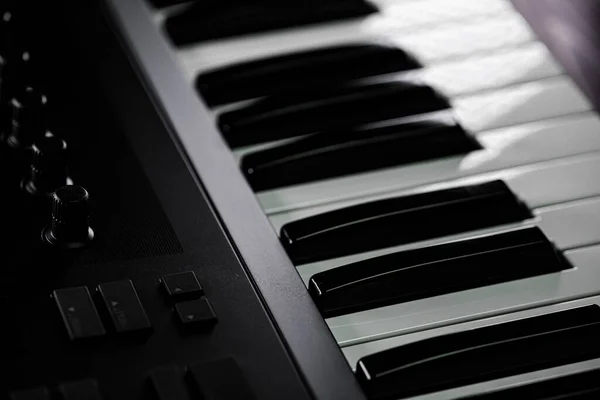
(124, 307)
(182, 286)
(283, 116)
(435, 270)
(78, 313)
(201, 22)
(222, 379)
(314, 68)
(503, 148)
(580, 386)
(167, 384)
(482, 354)
(196, 314)
(401, 220)
(80, 390)
(338, 153)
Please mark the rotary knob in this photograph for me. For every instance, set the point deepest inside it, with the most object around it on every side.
(70, 226)
(27, 118)
(48, 169)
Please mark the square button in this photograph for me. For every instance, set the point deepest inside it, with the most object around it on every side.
(196, 313)
(182, 286)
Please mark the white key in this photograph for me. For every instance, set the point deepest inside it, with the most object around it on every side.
(429, 46)
(569, 225)
(354, 353)
(512, 381)
(504, 148)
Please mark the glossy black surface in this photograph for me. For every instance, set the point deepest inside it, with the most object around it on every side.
(319, 109)
(482, 354)
(435, 270)
(581, 386)
(214, 20)
(314, 68)
(337, 153)
(399, 220)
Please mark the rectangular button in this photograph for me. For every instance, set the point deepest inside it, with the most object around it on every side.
(80, 390)
(78, 313)
(196, 313)
(124, 307)
(220, 380)
(37, 393)
(168, 384)
(182, 286)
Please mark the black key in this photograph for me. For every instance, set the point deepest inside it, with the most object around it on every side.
(124, 308)
(182, 286)
(401, 220)
(80, 390)
(333, 154)
(294, 114)
(220, 379)
(37, 393)
(167, 384)
(196, 313)
(290, 72)
(482, 354)
(435, 270)
(581, 386)
(213, 20)
(79, 313)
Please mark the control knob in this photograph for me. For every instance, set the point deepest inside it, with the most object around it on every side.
(70, 226)
(48, 169)
(27, 118)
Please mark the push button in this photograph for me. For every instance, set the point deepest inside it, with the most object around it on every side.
(220, 380)
(182, 286)
(38, 393)
(196, 313)
(80, 390)
(78, 313)
(123, 304)
(167, 384)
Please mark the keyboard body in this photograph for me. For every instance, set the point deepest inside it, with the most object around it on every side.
(519, 94)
